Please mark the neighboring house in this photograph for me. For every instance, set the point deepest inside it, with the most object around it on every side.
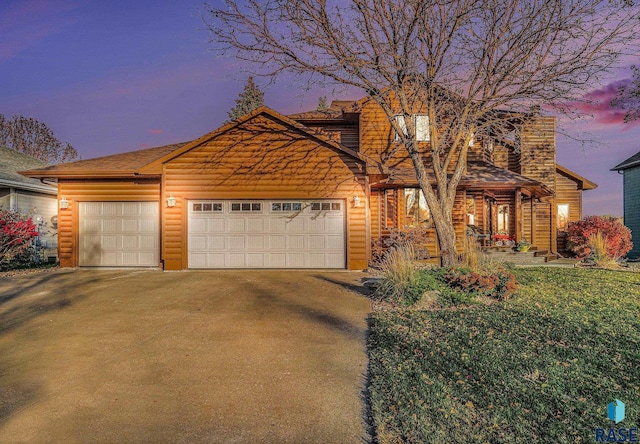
(29, 196)
(630, 169)
(310, 190)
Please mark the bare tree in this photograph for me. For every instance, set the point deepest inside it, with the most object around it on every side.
(628, 97)
(461, 62)
(29, 136)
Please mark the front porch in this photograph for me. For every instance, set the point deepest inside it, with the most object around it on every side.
(533, 256)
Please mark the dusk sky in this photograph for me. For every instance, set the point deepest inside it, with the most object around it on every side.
(116, 76)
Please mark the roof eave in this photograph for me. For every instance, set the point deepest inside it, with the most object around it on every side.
(46, 189)
(115, 174)
(624, 166)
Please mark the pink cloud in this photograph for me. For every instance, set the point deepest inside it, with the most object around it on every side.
(598, 104)
(155, 131)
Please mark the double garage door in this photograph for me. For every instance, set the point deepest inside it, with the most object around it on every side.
(221, 234)
(266, 234)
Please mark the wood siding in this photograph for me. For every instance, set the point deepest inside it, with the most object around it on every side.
(538, 162)
(567, 192)
(264, 159)
(76, 191)
(377, 139)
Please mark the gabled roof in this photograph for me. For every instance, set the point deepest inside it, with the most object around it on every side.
(149, 161)
(479, 175)
(629, 163)
(116, 165)
(11, 161)
(583, 183)
(155, 166)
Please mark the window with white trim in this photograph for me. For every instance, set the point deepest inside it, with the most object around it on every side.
(420, 123)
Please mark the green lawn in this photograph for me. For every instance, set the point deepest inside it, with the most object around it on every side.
(541, 367)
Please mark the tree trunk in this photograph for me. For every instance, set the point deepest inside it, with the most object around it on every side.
(447, 242)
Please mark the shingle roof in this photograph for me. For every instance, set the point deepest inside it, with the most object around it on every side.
(583, 183)
(629, 163)
(480, 174)
(11, 162)
(124, 163)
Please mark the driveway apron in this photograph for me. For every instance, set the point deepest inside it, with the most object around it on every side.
(218, 356)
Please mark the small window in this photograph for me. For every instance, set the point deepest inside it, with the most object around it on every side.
(217, 206)
(403, 126)
(471, 211)
(422, 128)
(286, 206)
(197, 207)
(246, 206)
(563, 217)
(390, 209)
(326, 206)
(503, 219)
(207, 207)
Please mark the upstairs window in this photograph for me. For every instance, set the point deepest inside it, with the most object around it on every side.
(420, 123)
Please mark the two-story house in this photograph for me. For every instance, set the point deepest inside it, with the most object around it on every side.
(310, 190)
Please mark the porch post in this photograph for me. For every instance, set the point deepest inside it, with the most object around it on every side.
(518, 215)
(533, 221)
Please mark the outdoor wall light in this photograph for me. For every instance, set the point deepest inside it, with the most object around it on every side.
(356, 201)
(64, 203)
(171, 201)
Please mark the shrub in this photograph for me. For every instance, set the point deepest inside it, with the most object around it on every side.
(400, 280)
(618, 237)
(16, 235)
(416, 238)
(498, 284)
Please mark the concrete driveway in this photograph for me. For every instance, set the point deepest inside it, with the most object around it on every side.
(216, 356)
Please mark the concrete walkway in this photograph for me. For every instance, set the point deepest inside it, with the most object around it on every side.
(146, 356)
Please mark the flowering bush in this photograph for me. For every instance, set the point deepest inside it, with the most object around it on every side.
(617, 236)
(499, 284)
(16, 234)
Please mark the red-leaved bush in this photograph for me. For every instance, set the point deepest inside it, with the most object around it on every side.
(16, 234)
(618, 237)
(500, 284)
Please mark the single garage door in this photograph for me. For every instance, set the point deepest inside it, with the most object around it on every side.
(119, 234)
(267, 234)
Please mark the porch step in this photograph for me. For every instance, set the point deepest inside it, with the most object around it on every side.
(531, 257)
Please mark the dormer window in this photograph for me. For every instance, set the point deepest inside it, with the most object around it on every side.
(420, 123)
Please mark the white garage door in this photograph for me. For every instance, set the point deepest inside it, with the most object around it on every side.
(117, 234)
(266, 234)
